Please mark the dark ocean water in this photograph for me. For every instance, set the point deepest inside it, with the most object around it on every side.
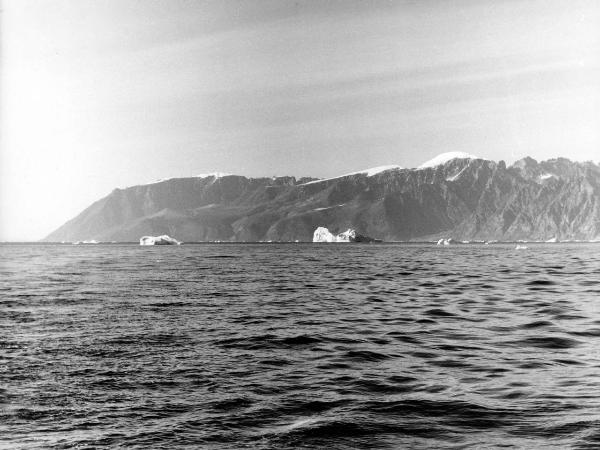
(300, 346)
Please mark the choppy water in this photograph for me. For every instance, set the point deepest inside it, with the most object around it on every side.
(300, 346)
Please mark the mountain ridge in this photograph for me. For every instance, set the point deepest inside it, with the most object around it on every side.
(463, 197)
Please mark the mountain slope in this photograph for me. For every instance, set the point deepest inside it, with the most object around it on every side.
(458, 196)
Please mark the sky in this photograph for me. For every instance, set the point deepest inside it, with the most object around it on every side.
(99, 94)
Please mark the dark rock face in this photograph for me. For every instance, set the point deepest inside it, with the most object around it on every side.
(464, 198)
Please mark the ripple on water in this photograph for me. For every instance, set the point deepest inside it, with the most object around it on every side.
(303, 346)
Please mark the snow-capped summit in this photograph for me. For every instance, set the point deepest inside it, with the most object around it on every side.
(445, 157)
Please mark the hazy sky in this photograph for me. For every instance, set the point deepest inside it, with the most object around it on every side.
(111, 93)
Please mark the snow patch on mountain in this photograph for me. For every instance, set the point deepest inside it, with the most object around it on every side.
(545, 176)
(376, 170)
(328, 207)
(214, 174)
(445, 157)
(368, 172)
(160, 180)
(455, 177)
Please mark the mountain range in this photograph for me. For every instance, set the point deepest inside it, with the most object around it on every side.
(454, 195)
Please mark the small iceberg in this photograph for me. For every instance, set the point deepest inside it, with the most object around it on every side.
(88, 241)
(445, 241)
(521, 247)
(322, 234)
(553, 240)
(159, 240)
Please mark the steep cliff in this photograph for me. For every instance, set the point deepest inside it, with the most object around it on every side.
(458, 196)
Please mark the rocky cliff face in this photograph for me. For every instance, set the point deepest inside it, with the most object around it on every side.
(463, 198)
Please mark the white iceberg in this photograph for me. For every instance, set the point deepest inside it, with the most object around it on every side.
(87, 241)
(521, 247)
(159, 240)
(553, 240)
(322, 234)
(445, 241)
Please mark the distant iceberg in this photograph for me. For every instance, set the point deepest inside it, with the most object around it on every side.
(445, 241)
(322, 234)
(552, 240)
(159, 240)
(88, 241)
(521, 247)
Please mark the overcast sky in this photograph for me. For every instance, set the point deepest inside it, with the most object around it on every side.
(112, 93)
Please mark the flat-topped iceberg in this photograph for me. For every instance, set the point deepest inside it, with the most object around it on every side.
(322, 234)
(159, 240)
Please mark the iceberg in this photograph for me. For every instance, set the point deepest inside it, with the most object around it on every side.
(553, 240)
(521, 247)
(159, 240)
(445, 241)
(322, 234)
(87, 241)
(347, 236)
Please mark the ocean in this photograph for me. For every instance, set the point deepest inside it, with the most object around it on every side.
(276, 346)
